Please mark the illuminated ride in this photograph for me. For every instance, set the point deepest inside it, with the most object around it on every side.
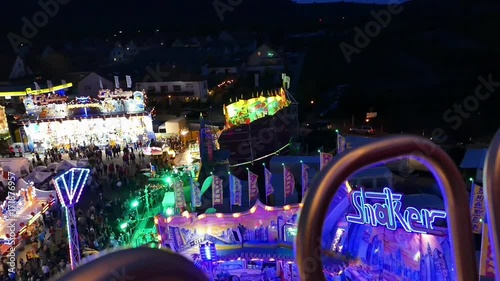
(259, 127)
(22, 207)
(30, 92)
(69, 187)
(315, 209)
(86, 120)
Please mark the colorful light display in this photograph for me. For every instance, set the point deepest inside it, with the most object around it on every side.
(247, 111)
(389, 212)
(69, 187)
(99, 131)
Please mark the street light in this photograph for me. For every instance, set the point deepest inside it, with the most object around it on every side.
(134, 203)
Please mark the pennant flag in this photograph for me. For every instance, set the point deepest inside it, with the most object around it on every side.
(180, 201)
(129, 81)
(117, 82)
(341, 143)
(324, 158)
(217, 191)
(477, 208)
(49, 84)
(37, 87)
(195, 194)
(267, 178)
(236, 191)
(253, 188)
(305, 179)
(100, 83)
(289, 182)
(487, 260)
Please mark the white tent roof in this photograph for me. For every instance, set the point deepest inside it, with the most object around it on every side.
(18, 166)
(38, 177)
(66, 165)
(474, 159)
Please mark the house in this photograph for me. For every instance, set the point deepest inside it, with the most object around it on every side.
(265, 58)
(87, 83)
(174, 85)
(18, 69)
(226, 67)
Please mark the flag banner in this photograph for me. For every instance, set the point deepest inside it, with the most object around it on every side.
(477, 208)
(49, 84)
(100, 83)
(289, 181)
(305, 179)
(486, 261)
(195, 194)
(37, 87)
(236, 191)
(129, 81)
(217, 191)
(341, 143)
(267, 178)
(117, 82)
(324, 158)
(253, 188)
(180, 201)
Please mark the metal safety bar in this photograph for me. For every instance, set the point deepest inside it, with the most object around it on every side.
(320, 194)
(491, 181)
(137, 264)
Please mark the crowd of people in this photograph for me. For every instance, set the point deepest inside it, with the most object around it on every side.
(115, 180)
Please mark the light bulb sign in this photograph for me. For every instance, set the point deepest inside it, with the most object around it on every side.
(384, 209)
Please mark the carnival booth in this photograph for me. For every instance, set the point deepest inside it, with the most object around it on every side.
(84, 120)
(383, 235)
(20, 210)
(249, 244)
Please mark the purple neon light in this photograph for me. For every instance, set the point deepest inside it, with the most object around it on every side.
(74, 190)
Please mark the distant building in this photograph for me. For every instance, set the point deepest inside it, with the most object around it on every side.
(222, 68)
(265, 58)
(87, 83)
(18, 70)
(175, 85)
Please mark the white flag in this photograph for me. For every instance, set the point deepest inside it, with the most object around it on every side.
(100, 83)
(236, 191)
(268, 177)
(129, 81)
(37, 87)
(195, 194)
(49, 84)
(117, 82)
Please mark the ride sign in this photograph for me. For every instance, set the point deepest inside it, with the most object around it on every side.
(388, 212)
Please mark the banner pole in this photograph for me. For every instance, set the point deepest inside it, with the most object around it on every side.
(284, 184)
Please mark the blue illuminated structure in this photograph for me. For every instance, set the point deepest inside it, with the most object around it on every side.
(69, 187)
(387, 212)
(208, 252)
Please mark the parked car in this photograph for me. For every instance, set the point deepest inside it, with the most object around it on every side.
(363, 130)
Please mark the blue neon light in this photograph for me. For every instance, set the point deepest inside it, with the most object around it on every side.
(389, 213)
(208, 253)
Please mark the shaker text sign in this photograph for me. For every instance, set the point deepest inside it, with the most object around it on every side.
(387, 212)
